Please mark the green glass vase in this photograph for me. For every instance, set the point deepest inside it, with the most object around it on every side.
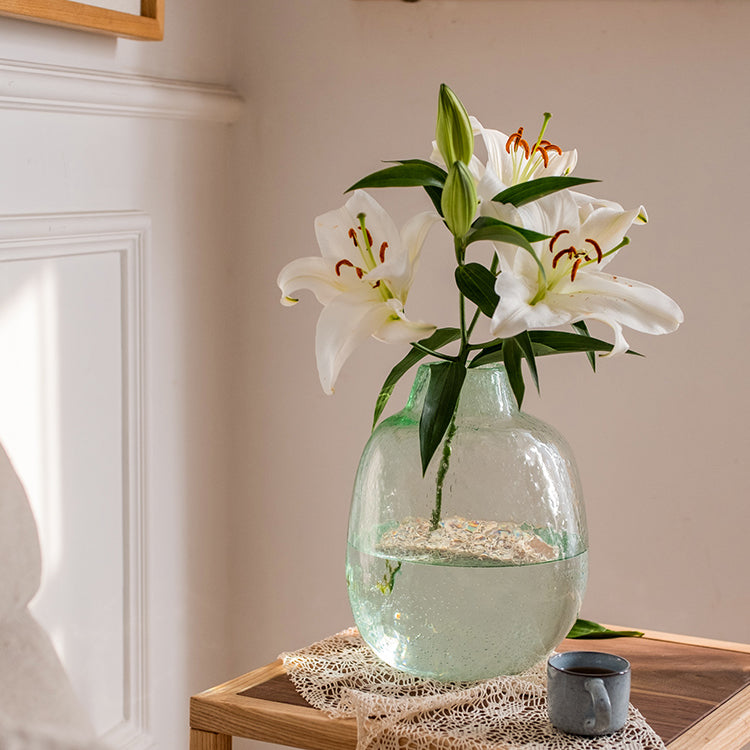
(477, 568)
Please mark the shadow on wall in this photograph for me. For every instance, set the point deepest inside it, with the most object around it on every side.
(38, 707)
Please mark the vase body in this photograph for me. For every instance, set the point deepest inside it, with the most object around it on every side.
(489, 582)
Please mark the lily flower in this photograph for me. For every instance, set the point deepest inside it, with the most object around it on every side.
(585, 235)
(362, 279)
(512, 160)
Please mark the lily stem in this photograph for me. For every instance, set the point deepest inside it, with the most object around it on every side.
(427, 350)
(462, 357)
(441, 472)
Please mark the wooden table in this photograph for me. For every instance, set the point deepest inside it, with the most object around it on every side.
(694, 692)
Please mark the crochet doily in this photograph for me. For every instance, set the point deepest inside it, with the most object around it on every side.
(395, 711)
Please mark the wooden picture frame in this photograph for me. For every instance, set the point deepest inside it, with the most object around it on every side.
(149, 25)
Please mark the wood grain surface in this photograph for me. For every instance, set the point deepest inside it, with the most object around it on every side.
(148, 25)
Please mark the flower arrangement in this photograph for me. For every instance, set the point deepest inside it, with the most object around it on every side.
(551, 245)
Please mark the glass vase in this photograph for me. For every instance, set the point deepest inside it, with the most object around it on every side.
(477, 568)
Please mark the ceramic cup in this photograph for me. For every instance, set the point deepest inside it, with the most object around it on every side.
(588, 692)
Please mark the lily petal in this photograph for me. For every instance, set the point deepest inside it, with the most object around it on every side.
(399, 330)
(608, 225)
(497, 157)
(634, 304)
(514, 314)
(401, 263)
(332, 228)
(345, 323)
(315, 274)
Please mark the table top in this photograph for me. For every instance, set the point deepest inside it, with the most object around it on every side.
(694, 692)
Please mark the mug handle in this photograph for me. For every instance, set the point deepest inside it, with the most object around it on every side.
(600, 704)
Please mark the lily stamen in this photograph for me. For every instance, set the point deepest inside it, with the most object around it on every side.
(570, 252)
(353, 235)
(599, 254)
(383, 248)
(345, 262)
(542, 148)
(574, 271)
(517, 141)
(555, 237)
(551, 146)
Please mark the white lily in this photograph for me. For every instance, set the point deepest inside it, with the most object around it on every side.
(362, 279)
(512, 160)
(585, 236)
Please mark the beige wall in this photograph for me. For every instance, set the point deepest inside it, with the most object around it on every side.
(655, 97)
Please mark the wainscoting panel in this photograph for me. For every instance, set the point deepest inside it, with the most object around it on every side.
(71, 419)
(56, 88)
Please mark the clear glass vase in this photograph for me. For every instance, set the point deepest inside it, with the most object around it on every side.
(478, 568)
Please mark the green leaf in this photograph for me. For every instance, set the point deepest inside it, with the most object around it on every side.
(502, 232)
(436, 196)
(524, 341)
(545, 343)
(477, 284)
(488, 355)
(439, 338)
(582, 328)
(486, 228)
(512, 361)
(526, 192)
(435, 193)
(415, 173)
(562, 341)
(446, 379)
(589, 629)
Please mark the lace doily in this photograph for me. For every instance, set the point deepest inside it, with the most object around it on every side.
(395, 711)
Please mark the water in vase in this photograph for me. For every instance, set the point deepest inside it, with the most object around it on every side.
(463, 619)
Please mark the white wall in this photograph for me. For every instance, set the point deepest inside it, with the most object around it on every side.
(168, 162)
(654, 96)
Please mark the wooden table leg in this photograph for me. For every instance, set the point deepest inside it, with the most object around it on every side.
(200, 740)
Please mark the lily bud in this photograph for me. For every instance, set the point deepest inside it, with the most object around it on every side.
(454, 135)
(459, 201)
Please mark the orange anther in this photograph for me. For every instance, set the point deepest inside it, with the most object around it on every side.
(570, 252)
(599, 254)
(343, 262)
(575, 269)
(556, 235)
(551, 146)
(517, 141)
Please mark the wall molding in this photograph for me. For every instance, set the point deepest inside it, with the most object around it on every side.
(53, 88)
(126, 234)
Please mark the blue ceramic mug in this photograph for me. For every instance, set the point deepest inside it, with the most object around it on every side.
(588, 692)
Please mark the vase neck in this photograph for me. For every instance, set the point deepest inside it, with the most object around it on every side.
(486, 393)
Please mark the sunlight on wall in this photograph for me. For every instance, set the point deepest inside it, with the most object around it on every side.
(61, 423)
(29, 401)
